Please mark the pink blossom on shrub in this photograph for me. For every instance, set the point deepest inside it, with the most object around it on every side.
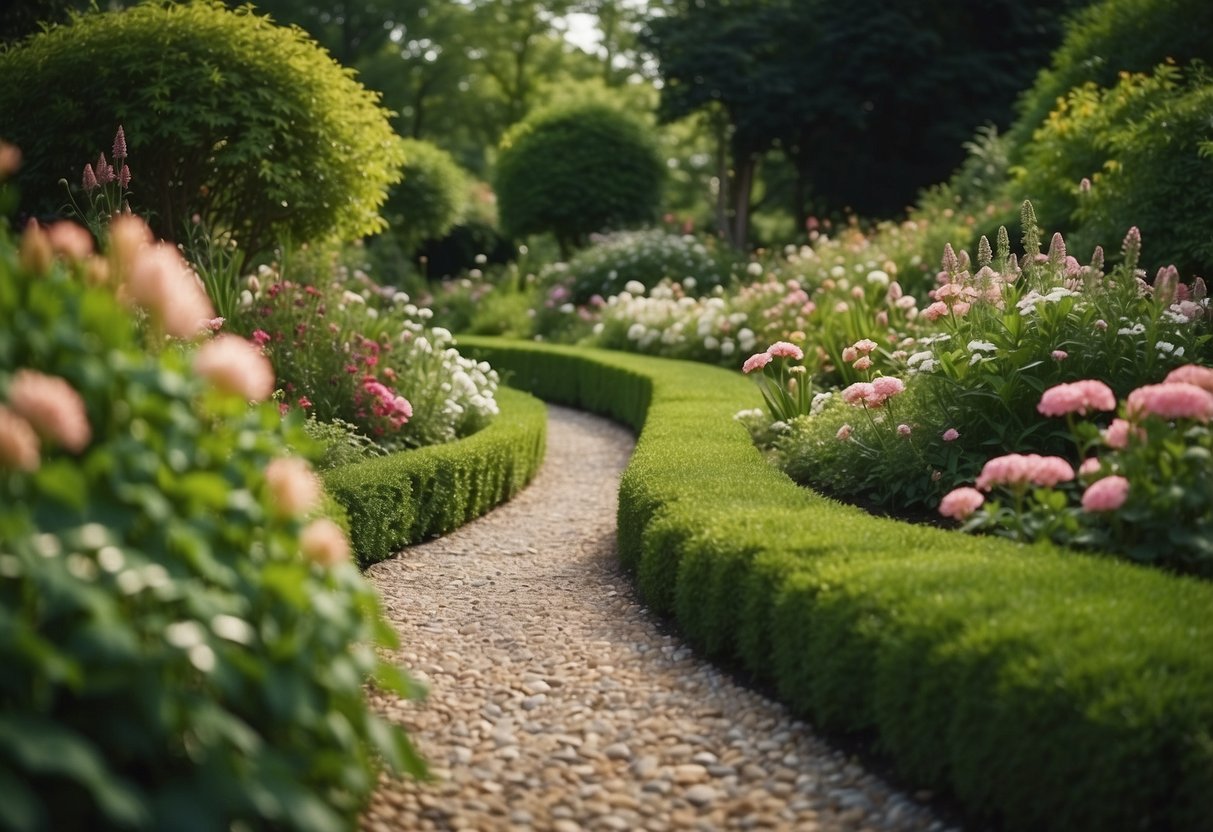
(1202, 377)
(960, 503)
(1171, 400)
(756, 362)
(1090, 467)
(783, 349)
(234, 365)
(323, 542)
(1107, 494)
(160, 281)
(1117, 434)
(1079, 397)
(294, 488)
(19, 445)
(951, 435)
(53, 407)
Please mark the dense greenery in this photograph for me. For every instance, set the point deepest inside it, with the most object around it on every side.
(576, 169)
(246, 125)
(1043, 689)
(429, 200)
(407, 497)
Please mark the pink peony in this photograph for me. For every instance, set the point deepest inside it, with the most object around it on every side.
(888, 386)
(53, 407)
(1079, 397)
(1013, 470)
(756, 362)
(160, 281)
(324, 543)
(235, 366)
(859, 393)
(1118, 433)
(1108, 494)
(1171, 400)
(294, 487)
(19, 444)
(1202, 377)
(951, 435)
(783, 349)
(960, 503)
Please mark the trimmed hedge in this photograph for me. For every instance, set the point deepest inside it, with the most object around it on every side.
(404, 498)
(1043, 689)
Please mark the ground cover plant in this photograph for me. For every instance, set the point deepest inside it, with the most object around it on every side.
(166, 562)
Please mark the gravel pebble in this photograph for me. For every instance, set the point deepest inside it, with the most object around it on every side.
(556, 701)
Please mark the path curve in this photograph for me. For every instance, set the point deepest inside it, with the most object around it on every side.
(558, 703)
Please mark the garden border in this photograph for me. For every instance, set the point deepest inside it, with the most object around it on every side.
(1041, 689)
(406, 497)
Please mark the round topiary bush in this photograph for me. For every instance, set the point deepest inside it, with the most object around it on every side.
(647, 257)
(429, 200)
(249, 125)
(576, 169)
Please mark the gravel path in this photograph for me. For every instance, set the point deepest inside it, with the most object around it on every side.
(557, 703)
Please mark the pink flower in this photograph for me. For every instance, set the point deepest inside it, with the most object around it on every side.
(1171, 400)
(293, 486)
(305, 402)
(935, 311)
(323, 542)
(859, 393)
(960, 503)
(961, 308)
(903, 430)
(1118, 433)
(128, 235)
(53, 407)
(124, 176)
(1101, 325)
(1090, 467)
(1202, 377)
(1079, 397)
(89, 179)
(119, 151)
(10, 159)
(215, 324)
(160, 281)
(888, 386)
(1013, 470)
(1108, 494)
(756, 362)
(19, 444)
(864, 363)
(235, 366)
(951, 435)
(1059, 355)
(865, 345)
(849, 354)
(783, 349)
(844, 433)
(70, 240)
(260, 337)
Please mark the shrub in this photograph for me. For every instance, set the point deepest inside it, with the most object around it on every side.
(429, 200)
(184, 647)
(576, 169)
(647, 257)
(248, 125)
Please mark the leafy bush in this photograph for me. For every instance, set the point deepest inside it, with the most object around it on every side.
(647, 257)
(429, 200)
(1043, 689)
(576, 169)
(248, 125)
(184, 646)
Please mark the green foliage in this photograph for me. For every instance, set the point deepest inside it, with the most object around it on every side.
(647, 257)
(171, 658)
(248, 125)
(410, 496)
(427, 203)
(1044, 690)
(576, 169)
(1111, 37)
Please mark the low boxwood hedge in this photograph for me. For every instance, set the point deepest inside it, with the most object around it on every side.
(403, 498)
(1042, 689)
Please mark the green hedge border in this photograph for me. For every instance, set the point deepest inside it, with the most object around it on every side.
(397, 500)
(1041, 689)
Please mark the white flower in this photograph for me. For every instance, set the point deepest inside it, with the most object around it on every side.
(727, 348)
(711, 343)
(748, 415)
(636, 332)
(879, 277)
(819, 402)
(1136, 329)
(634, 287)
(754, 270)
(983, 346)
(919, 357)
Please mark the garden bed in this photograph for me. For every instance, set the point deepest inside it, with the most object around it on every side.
(1042, 689)
(406, 497)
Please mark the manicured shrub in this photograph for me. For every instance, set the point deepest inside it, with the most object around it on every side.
(575, 169)
(248, 125)
(616, 260)
(409, 496)
(429, 200)
(185, 643)
(1041, 688)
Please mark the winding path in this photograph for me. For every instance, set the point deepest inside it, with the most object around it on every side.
(558, 703)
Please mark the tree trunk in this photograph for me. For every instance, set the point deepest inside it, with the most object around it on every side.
(744, 166)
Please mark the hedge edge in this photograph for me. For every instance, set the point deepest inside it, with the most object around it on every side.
(397, 500)
(1041, 689)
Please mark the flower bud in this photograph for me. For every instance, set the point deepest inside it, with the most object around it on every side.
(36, 253)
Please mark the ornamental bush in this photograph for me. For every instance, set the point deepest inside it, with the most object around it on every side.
(184, 646)
(429, 200)
(249, 125)
(646, 257)
(575, 169)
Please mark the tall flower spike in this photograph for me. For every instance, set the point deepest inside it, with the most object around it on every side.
(984, 255)
(1199, 290)
(90, 178)
(1031, 231)
(105, 173)
(124, 177)
(119, 145)
(1132, 248)
(1097, 259)
(1057, 250)
(1003, 251)
(1165, 283)
(949, 262)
